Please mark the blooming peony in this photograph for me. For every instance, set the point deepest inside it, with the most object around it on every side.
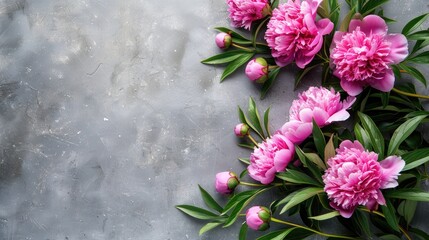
(243, 12)
(355, 177)
(258, 218)
(318, 103)
(294, 34)
(270, 157)
(362, 56)
(226, 182)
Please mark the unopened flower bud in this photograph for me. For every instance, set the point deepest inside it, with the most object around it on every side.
(226, 182)
(241, 130)
(223, 40)
(257, 70)
(258, 218)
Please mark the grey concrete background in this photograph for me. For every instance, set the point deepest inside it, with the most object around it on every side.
(108, 120)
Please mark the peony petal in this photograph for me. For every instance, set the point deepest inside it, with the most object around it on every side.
(352, 88)
(386, 84)
(347, 144)
(284, 60)
(269, 176)
(346, 213)
(373, 24)
(296, 131)
(398, 47)
(306, 115)
(338, 116)
(325, 26)
(348, 102)
(282, 159)
(320, 116)
(337, 38)
(354, 23)
(302, 59)
(390, 169)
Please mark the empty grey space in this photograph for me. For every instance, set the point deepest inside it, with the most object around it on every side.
(108, 119)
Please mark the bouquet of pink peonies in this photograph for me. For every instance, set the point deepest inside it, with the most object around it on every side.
(366, 174)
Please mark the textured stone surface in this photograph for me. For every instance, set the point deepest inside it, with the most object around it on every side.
(108, 119)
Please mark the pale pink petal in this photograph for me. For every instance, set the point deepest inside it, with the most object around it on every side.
(268, 177)
(386, 84)
(347, 144)
(352, 88)
(320, 116)
(282, 159)
(325, 26)
(390, 169)
(373, 24)
(296, 131)
(398, 47)
(348, 102)
(338, 116)
(306, 115)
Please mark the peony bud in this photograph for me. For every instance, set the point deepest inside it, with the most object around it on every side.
(241, 130)
(258, 218)
(226, 182)
(257, 70)
(223, 40)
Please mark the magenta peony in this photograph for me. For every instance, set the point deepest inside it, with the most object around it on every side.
(223, 40)
(258, 218)
(257, 70)
(354, 177)
(226, 182)
(318, 103)
(243, 12)
(362, 56)
(272, 155)
(294, 34)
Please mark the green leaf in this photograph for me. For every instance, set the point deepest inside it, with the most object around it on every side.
(240, 206)
(370, 6)
(245, 120)
(390, 215)
(198, 213)
(319, 139)
(413, 194)
(377, 140)
(232, 33)
(415, 158)
(275, 4)
(414, 24)
(420, 58)
(362, 136)
(420, 44)
(243, 173)
(389, 237)
(270, 235)
(236, 199)
(254, 117)
(314, 158)
(209, 201)
(346, 21)
(360, 221)
(234, 65)
(272, 75)
(407, 209)
(403, 132)
(414, 73)
(308, 164)
(208, 227)
(224, 57)
(246, 145)
(329, 149)
(245, 160)
(419, 233)
(243, 231)
(267, 121)
(420, 35)
(326, 216)
(284, 234)
(300, 196)
(298, 177)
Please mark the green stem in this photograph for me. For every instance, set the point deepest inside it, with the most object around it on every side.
(242, 48)
(257, 31)
(325, 59)
(409, 94)
(382, 215)
(261, 185)
(309, 229)
(272, 67)
(252, 139)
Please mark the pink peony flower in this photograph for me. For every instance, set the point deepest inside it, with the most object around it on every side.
(243, 12)
(355, 177)
(294, 34)
(241, 130)
(318, 103)
(258, 218)
(226, 182)
(257, 70)
(223, 40)
(270, 157)
(362, 56)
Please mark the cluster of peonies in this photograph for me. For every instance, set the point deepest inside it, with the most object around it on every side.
(360, 57)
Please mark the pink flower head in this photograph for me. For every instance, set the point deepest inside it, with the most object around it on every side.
(241, 130)
(318, 103)
(223, 40)
(294, 34)
(258, 218)
(243, 12)
(272, 155)
(354, 177)
(226, 182)
(257, 70)
(362, 56)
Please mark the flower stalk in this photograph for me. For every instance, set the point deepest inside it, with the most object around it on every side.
(410, 94)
